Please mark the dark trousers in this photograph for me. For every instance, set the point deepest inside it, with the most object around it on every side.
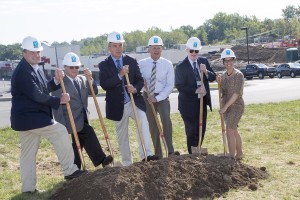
(163, 108)
(192, 128)
(89, 141)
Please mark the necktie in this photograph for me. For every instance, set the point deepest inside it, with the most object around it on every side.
(77, 86)
(118, 65)
(152, 79)
(123, 84)
(196, 72)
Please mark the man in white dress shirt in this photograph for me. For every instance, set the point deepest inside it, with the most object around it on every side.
(158, 72)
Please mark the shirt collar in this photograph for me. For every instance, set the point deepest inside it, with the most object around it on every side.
(192, 62)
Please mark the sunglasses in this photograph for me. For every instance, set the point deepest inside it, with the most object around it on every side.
(192, 51)
(74, 67)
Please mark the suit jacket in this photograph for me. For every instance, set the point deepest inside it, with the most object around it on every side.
(185, 82)
(110, 81)
(31, 102)
(78, 104)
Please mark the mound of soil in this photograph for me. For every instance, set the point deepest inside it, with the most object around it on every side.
(260, 55)
(257, 54)
(178, 177)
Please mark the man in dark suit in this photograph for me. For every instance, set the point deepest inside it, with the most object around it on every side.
(118, 103)
(31, 115)
(188, 83)
(78, 88)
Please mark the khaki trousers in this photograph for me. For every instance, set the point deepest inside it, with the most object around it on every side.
(30, 140)
(123, 138)
(163, 108)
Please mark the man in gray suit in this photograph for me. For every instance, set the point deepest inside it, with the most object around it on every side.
(78, 89)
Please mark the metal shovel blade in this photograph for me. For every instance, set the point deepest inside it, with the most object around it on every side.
(202, 151)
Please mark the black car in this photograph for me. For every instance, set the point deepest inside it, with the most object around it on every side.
(288, 69)
(259, 70)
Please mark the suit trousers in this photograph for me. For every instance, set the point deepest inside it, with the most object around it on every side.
(192, 129)
(123, 137)
(30, 140)
(89, 141)
(163, 108)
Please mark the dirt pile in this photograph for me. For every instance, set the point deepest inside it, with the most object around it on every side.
(179, 177)
(257, 54)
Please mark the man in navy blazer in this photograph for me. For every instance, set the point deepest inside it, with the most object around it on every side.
(31, 115)
(188, 83)
(118, 103)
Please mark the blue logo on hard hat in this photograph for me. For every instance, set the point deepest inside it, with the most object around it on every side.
(118, 36)
(195, 44)
(227, 52)
(155, 40)
(73, 58)
(35, 44)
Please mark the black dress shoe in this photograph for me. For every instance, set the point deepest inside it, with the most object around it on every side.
(175, 153)
(154, 157)
(36, 191)
(76, 174)
(107, 160)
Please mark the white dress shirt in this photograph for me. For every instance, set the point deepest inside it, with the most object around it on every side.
(164, 76)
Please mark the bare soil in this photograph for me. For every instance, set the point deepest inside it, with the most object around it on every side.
(178, 177)
(257, 54)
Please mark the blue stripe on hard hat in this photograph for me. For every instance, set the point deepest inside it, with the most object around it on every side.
(155, 40)
(195, 44)
(118, 37)
(228, 52)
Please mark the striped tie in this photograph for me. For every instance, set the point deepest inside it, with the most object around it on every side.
(152, 80)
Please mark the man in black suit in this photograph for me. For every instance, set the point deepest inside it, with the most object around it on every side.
(118, 103)
(78, 88)
(188, 83)
(31, 115)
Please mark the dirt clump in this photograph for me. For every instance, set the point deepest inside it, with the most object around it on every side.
(178, 177)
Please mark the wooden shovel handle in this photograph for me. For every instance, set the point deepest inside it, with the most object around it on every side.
(157, 121)
(136, 118)
(73, 126)
(100, 116)
(222, 119)
(201, 115)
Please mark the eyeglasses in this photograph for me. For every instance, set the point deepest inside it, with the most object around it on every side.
(74, 67)
(192, 51)
(228, 61)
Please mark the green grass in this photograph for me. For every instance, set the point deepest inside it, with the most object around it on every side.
(270, 135)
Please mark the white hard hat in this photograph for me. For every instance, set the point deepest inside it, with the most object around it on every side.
(193, 43)
(115, 37)
(227, 53)
(71, 59)
(155, 40)
(31, 44)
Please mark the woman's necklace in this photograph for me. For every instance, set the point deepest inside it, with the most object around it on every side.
(230, 73)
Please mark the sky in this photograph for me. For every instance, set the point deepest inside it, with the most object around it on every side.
(67, 20)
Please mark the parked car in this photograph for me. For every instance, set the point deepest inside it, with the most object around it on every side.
(258, 69)
(288, 69)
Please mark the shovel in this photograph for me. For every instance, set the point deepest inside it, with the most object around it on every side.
(157, 121)
(136, 119)
(73, 126)
(198, 149)
(101, 118)
(222, 120)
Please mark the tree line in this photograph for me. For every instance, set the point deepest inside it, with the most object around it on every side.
(221, 29)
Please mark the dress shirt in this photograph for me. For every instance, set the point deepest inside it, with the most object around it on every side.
(164, 76)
